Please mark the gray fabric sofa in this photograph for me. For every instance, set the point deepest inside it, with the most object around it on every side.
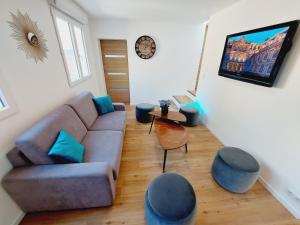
(38, 183)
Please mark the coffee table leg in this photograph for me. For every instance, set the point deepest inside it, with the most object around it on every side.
(185, 148)
(165, 158)
(151, 124)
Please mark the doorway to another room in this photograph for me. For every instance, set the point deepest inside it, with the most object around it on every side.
(115, 65)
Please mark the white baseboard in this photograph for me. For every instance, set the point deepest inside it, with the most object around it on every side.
(18, 219)
(285, 202)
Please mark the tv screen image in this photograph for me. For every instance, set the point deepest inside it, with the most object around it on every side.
(255, 56)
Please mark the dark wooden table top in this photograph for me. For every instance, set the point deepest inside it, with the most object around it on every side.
(172, 115)
(170, 135)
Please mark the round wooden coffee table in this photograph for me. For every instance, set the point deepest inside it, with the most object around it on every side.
(171, 116)
(170, 136)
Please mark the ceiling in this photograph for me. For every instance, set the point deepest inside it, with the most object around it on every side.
(155, 10)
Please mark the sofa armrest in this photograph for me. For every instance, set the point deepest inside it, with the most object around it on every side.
(119, 106)
(61, 186)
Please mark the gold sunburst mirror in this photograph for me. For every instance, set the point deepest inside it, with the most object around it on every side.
(29, 37)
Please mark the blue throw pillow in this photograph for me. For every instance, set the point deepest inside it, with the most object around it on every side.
(104, 104)
(66, 148)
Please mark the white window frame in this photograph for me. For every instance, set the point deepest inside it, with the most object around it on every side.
(72, 22)
(6, 97)
(3, 101)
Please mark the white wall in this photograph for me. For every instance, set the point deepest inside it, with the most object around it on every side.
(263, 121)
(37, 88)
(173, 68)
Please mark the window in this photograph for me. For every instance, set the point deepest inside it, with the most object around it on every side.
(3, 103)
(81, 51)
(72, 43)
(8, 106)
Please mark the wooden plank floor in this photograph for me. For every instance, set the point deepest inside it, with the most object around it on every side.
(142, 161)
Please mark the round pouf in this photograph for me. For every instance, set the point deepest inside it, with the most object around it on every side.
(235, 170)
(170, 200)
(142, 112)
(192, 116)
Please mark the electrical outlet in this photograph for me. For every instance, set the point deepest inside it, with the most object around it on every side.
(294, 194)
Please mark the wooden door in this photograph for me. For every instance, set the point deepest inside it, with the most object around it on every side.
(115, 64)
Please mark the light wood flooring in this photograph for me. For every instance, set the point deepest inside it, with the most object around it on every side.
(142, 161)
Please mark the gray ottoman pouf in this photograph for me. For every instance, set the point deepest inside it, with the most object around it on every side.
(235, 169)
(170, 200)
(192, 116)
(142, 112)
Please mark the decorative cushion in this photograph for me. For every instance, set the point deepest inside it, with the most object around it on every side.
(84, 106)
(66, 148)
(171, 196)
(104, 104)
(35, 142)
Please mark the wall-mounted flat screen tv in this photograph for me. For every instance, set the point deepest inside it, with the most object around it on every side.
(255, 56)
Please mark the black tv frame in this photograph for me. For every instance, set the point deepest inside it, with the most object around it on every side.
(256, 79)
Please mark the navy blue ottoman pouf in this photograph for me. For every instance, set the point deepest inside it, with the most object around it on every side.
(192, 116)
(142, 112)
(170, 200)
(235, 170)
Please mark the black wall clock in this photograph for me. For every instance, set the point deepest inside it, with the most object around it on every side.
(145, 47)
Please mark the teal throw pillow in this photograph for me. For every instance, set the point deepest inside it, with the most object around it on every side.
(104, 104)
(66, 148)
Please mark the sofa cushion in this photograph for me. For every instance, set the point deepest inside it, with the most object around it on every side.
(104, 146)
(37, 140)
(66, 149)
(104, 104)
(17, 158)
(110, 121)
(84, 106)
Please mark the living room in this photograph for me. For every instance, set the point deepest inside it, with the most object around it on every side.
(41, 95)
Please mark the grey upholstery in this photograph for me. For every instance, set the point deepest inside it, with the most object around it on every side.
(17, 158)
(170, 200)
(171, 186)
(110, 121)
(36, 141)
(239, 159)
(104, 146)
(119, 106)
(38, 187)
(84, 106)
(235, 170)
(142, 112)
(191, 114)
(62, 186)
